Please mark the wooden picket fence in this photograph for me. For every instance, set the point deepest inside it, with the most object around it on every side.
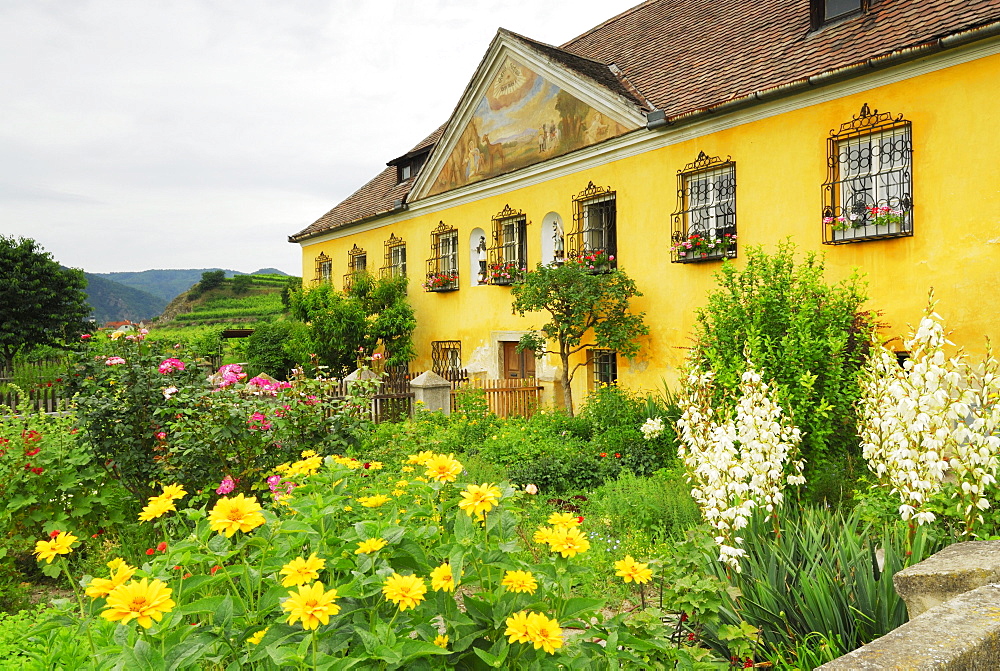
(45, 399)
(507, 398)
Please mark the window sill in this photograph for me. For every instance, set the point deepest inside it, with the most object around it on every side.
(868, 232)
(695, 257)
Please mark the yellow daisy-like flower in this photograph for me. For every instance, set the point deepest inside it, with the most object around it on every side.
(632, 571)
(369, 546)
(544, 633)
(406, 591)
(442, 579)
(299, 571)
(282, 468)
(143, 601)
(544, 535)
(258, 637)
(441, 641)
(305, 454)
(173, 492)
(568, 541)
(478, 500)
(61, 544)
(421, 458)
(564, 520)
(239, 513)
(407, 469)
(312, 606)
(402, 483)
(375, 465)
(158, 505)
(517, 628)
(398, 492)
(121, 573)
(348, 509)
(443, 468)
(373, 501)
(520, 581)
(309, 466)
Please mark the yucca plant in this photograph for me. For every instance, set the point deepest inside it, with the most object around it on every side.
(826, 573)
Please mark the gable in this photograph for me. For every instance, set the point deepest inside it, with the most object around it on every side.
(527, 103)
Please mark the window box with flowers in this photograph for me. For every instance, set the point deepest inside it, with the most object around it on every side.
(441, 281)
(594, 262)
(874, 221)
(697, 247)
(506, 273)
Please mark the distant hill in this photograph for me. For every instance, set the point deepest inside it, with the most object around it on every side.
(113, 301)
(261, 301)
(169, 284)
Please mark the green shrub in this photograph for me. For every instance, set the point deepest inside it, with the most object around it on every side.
(269, 350)
(241, 284)
(659, 506)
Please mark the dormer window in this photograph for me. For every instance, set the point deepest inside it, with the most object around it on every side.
(405, 172)
(408, 166)
(825, 11)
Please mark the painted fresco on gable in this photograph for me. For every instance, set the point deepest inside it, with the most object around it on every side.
(522, 119)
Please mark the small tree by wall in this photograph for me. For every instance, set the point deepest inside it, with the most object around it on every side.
(373, 313)
(586, 309)
(809, 337)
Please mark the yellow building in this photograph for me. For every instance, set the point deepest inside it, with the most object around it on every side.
(676, 134)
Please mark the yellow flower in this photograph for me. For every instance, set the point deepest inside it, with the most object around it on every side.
(308, 466)
(517, 628)
(443, 468)
(369, 546)
(407, 469)
(282, 468)
(305, 454)
(398, 492)
(568, 541)
(441, 641)
(121, 573)
(311, 606)
(443, 579)
(373, 501)
(173, 492)
(61, 544)
(348, 509)
(402, 483)
(543, 535)
(421, 458)
(158, 505)
(258, 637)
(117, 334)
(143, 601)
(479, 499)
(519, 581)
(236, 514)
(375, 465)
(406, 591)
(564, 520)
(299, 571)
(544, 633)
(632, 571)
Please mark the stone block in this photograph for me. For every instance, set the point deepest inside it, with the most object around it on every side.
(957, 569)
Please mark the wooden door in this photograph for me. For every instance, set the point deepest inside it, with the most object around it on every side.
(517, 365)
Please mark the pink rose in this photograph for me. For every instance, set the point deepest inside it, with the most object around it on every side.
(114, 361)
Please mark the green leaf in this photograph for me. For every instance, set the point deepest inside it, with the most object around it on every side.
(182, 654)
(142, 657)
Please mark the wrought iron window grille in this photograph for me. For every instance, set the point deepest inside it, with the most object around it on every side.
(868, 193)
(446, 358)
(357, 263)
(442, 266)
(604, 363)
(395, 258)
(703, 227)
(508, 256)
(324, 269)
(593, 240)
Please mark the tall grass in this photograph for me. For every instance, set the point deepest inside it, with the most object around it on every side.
(827, 573)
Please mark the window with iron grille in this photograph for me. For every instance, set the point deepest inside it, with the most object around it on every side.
(446, 358)
(703, 228)
(442, 267)
(594, 238)
(868, 194)
(604, 364)
(508, 257)
(357, 263)
(395, 258)
(324, 269)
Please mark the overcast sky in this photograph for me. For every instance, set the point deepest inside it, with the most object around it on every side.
(139, 134)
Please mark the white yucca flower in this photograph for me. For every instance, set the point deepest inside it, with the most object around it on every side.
(652, 428)
(740, 464)
(930, 416)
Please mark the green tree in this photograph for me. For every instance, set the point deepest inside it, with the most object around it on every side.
(586, 310)
(808, 336)
(373, 313)
(211, 279)
(241, 284)
(42, 303)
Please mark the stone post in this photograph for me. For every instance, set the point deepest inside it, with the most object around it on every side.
(433, 391)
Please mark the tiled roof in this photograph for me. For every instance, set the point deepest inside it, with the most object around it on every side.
(685, 55)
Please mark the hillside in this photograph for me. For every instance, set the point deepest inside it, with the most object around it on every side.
(262, 301)
(113, 301)
(168, 284)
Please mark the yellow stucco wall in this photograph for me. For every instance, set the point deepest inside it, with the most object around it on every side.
(780, 166)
